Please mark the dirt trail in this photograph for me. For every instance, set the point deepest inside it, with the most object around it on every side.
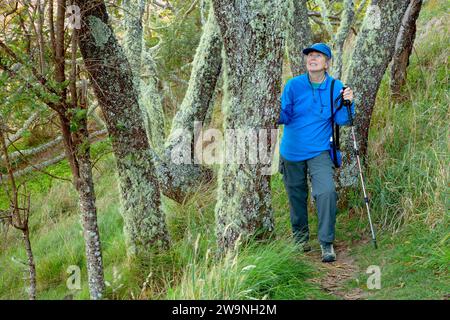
(337, 273)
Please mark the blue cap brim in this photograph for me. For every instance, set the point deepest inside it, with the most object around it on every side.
(308, 50)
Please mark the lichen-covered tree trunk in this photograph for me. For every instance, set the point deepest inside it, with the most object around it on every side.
(372, 53)
(252, 33)
(404, 46)
(299, 34)
(196, 105)
(340, 37)
(85, 188)
(151, 102)
(176, 179)
(132, 40)
(110, 73)
(325, 16)
(144, 72)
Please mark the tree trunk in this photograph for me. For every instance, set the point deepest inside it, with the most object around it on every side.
(60, 77)
(144, 72)
(111, 76)
(89, 221)
(31, 264)
(372, 53)
(132, 40)
(299, 35)
(403, 47)
(340, 37)
(87, 202)
(252, 32)
(176, 177)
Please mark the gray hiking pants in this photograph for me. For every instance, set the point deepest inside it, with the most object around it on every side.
(323, 190)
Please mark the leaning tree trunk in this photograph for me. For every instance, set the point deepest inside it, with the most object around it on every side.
(403, 47)
(252, 33)
(183, 174)
(176, 179)
(372, 53)
(109, 70)
(132, 40)
(299, 35)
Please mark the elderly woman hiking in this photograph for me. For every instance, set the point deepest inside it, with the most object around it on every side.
(306, 115)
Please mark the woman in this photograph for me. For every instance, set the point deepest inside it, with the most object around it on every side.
(306, 115)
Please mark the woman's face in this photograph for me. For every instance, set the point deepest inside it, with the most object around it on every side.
(316, 61)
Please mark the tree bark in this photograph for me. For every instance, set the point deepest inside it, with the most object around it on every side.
(144, 73)
(89, 219)
(111, 76)
(252, 33)
(403, 47)
(340, 37)
(60, 78)
(16, 136)
(372, 53)
(132, 40)
(176, 179)
(31, 264)
(197, 102)
(299, 35)
(325, 17)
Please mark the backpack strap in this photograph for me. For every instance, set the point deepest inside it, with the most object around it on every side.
(335, 138)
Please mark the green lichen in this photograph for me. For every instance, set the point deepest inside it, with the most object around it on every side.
(252, 79)
(100, 31)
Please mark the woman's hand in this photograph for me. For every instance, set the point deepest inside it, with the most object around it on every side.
(348, 94)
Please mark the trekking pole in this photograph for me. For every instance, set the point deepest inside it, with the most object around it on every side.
(347, 104)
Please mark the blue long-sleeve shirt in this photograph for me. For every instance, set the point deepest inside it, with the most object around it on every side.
(307, 117)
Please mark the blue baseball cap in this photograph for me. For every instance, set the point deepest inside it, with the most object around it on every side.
(319, 47)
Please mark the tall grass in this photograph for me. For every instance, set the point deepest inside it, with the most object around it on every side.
(408, 147)
(274, 270)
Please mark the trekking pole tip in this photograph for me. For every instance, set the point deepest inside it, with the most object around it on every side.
(375, 243)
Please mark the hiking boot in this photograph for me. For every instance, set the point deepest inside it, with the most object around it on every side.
(328, 254)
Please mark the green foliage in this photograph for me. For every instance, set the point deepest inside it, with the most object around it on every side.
(78, 116)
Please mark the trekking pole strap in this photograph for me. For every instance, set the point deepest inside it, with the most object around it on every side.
(335, 138)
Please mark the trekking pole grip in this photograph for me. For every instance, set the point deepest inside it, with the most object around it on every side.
(347, 104)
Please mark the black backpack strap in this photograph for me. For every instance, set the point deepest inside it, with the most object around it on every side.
(332, 123)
